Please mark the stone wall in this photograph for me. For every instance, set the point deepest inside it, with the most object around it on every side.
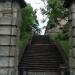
(40, 73)
(72, 39)
(9, 23)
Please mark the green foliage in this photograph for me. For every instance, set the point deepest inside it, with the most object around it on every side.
(65, 46)
(27, 22)
(63, 36)
(24, 40)
(62, 40)
(66, 28)
(36, 23)
(53, 36)
(54, 11)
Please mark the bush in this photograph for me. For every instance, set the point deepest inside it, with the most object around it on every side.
(63, 36)
(24, 39)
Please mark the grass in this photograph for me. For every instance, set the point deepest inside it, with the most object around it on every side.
(53, 36)
(24, 39)
(65, 46)
(63, 43)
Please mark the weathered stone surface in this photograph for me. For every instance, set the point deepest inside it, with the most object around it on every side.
(5, 20)
(12, 71)
(12, 51)
(73, 71)
(8, 30)
(3, 71)
(6, 40)
(9, 23)
(20, 2)
(41, 73)
(70, 52)
(73, 14)
(73, 52)
(4, 51)
(73, 42)
(72, 7)
(72, 62)
(8, 19)
(13, 41)
(12, 62)
(72, 37)
(4, 61)
(73, 33)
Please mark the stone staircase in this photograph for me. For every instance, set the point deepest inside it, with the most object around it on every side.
(41, 56)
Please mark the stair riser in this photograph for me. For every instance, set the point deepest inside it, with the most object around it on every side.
(41, 55)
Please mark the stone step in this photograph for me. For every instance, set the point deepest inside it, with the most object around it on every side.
(42, 58)
(39, 69)
(41, 55)
(40, 39)
(41, 65)
(50, 63)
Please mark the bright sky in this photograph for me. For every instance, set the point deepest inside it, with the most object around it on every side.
(37, 4)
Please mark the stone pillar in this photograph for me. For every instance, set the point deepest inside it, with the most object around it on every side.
(70, 4)
(9, 24)
(72, 39)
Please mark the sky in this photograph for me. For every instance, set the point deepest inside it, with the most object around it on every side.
(37, 4)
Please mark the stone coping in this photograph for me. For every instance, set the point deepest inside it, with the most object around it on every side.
(21, 2)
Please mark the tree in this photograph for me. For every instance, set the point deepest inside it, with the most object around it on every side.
(36, 24)
(54, 11)
(27, 22)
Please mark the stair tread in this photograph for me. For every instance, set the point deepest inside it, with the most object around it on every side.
(40, 68)
(41, 55)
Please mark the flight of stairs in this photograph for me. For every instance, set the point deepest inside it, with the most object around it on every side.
(41, 55)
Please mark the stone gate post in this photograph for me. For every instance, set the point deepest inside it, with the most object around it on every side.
(70, 4)
(9, 24)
